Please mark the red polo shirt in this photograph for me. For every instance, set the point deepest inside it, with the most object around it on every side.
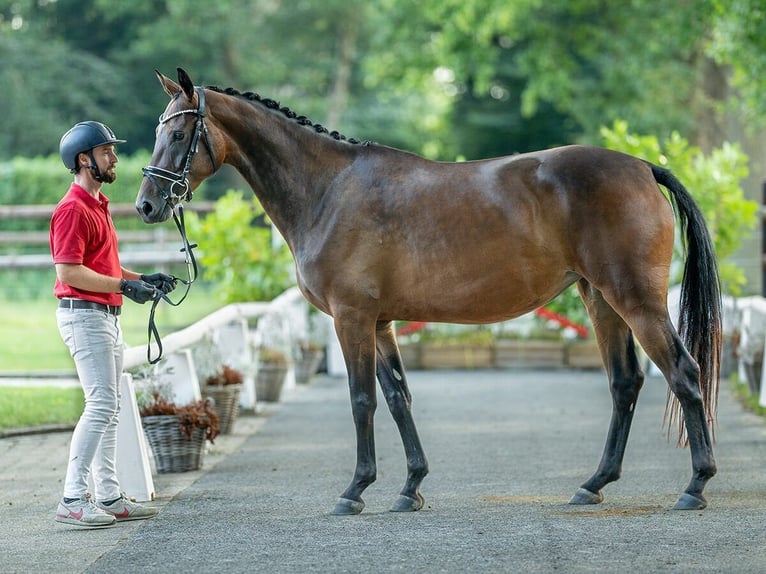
(82, 232)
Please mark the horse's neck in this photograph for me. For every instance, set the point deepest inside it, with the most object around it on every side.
(288, 166)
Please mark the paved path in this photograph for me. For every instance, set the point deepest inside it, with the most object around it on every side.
(506, 448)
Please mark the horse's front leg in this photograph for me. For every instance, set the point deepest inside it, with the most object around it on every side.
(393, 382)
(357, 340)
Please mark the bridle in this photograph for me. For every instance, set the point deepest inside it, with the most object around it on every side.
(173, 198)
(176, 179)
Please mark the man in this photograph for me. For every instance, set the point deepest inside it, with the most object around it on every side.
(90, 283)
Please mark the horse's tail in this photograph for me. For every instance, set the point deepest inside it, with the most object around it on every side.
(699, 321)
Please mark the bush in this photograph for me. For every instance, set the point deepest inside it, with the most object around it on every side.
(45, 180)
(237, 252)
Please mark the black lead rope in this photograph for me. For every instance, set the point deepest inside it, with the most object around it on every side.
(191, 272)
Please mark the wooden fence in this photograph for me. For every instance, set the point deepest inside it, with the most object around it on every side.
(157, 245)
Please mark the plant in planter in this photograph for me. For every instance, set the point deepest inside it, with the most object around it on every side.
(224, 387)
(308, 356)
(270, 378)
(177, 433)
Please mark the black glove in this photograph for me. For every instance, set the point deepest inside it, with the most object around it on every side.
(138, 290)
(162, 281)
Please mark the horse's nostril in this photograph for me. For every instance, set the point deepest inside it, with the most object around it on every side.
(146, 208)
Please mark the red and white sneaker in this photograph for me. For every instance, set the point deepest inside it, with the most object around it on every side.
(83, 512)
(126, 509)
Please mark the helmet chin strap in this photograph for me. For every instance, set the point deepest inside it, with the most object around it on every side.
(94, 166)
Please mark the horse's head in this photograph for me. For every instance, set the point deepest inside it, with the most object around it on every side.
(176, 169)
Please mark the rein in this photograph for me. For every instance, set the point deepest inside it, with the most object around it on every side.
(170, 196)
(192, 272)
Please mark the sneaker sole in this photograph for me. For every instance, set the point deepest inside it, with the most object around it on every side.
(81, 524)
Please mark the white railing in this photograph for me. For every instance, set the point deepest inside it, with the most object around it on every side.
(228, 328)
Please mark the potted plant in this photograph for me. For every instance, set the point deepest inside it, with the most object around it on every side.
(270, 378)
(224, 387)
(308, 357)
(177, 433)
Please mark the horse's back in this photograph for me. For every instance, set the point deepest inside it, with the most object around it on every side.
(494, 238)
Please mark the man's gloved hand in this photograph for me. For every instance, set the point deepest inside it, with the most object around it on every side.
(162, 281)
(138, 290)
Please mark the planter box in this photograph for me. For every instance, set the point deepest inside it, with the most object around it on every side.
(226, 405)
(269, 381)
(171, 449)
(307, 365)
(530, 354)
(583, 355)
(456, 356)
(411, 357)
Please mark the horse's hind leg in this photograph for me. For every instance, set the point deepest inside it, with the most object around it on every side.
(393, 382)
(664, 346)
(625, 381)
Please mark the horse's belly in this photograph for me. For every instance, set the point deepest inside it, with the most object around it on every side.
(489, 295)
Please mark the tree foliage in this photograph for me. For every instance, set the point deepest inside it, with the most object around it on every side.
(445, 78)
(239, 255)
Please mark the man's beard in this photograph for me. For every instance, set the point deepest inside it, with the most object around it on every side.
(108, 176)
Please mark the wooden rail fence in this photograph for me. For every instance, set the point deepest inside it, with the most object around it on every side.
(155, 245)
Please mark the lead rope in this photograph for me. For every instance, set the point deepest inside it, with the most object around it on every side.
(191, 273)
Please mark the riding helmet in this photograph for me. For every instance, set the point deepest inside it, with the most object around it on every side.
(83, 137)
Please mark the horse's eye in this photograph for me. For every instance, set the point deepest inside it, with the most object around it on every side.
(178, 136)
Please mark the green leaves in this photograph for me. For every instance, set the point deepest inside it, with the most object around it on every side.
(237, 251)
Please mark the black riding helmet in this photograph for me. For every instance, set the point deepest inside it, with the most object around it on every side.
(82, 138)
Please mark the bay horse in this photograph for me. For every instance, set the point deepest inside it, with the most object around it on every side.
(379, 234)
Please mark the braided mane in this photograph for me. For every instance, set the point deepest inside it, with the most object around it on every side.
(287, 112)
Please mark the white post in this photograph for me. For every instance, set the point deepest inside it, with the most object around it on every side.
(133, 467)
(336, 364)
(178, 369)
(762, 393)
(235, 349)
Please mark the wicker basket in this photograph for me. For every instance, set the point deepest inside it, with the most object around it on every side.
(172, 450)
(307, 365)
(269, 381)
(226, 405)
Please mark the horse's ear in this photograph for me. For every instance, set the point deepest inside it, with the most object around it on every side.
(170, 87)
(186, 84)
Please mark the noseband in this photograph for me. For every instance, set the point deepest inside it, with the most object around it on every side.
(176, 179)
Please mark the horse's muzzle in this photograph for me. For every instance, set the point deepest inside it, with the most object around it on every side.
(151, 212)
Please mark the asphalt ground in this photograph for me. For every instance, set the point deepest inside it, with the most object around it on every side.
(506, 449)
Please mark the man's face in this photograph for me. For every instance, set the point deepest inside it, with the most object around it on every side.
(106, 160)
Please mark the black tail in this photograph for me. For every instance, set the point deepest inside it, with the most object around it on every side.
(699, 322)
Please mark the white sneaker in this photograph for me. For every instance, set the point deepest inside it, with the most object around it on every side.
(126, 509)
(83, 512)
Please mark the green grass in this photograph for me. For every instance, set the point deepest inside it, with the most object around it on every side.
(30, 341)
(22, 407)
(30, 344)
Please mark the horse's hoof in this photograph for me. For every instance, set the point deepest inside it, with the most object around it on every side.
(689, 502)
(408, 504)
(585, 496)
(347, 506)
